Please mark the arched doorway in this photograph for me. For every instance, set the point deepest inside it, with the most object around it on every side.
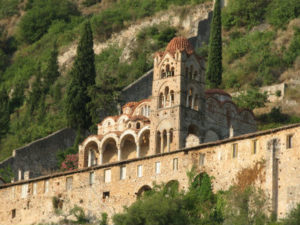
(172, 185)
(142, 190)
(91, 154)
(144, 143)
(110, 151)
(128, 147)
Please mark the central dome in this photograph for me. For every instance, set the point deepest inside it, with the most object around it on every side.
(181, 44)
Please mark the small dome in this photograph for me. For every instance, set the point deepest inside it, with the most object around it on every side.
(181, 44)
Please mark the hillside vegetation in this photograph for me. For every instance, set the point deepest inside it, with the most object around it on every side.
(261, 45)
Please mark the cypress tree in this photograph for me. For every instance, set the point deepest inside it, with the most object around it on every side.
(52, 72)
(214, 64)
(4, 113)
(82, 76)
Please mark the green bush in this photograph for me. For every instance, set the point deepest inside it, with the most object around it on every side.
(276, 119)
(294, 49)
(8, 8)
(281, 12)
(251, 99)
(244, 13)
(35, 23)
(6, 174)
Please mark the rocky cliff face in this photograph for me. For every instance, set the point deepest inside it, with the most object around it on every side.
(192, 22)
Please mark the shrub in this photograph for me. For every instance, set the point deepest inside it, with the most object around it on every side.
(79, 215)
(35, 23)
(293, 218)
(294, 49)
(6, 174)
(244, 13)
(251, 99)
(70, 163)
(275, 119)
(281, 12)
(8, 8)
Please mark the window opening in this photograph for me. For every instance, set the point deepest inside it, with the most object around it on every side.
(122, 172)
(175, 164)
(234, 150)
(107, 176)
(92, 178)
(202, 159)
(157, 167)
(105, 194)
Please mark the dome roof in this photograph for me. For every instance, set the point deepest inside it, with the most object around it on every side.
(181, 44)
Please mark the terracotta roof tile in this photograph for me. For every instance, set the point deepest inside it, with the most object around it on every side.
(181, 44)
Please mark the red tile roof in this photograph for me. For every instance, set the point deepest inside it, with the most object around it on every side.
(181, 44)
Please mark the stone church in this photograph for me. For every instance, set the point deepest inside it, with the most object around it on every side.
(180, 113)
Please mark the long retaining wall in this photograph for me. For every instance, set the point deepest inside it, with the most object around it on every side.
(39, 157)
(268, 159)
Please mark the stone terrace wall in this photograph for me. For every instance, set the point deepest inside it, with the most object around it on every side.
(138, 90)
(39, 157)
(274, 167)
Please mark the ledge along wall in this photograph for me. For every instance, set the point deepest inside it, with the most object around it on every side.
(39, 157)
(274, 166)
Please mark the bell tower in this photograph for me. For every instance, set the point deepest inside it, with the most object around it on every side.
(177, 96)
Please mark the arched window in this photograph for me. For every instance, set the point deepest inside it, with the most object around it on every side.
(148, 110)
(172, 71)
(171, 135)
(167, 97)
(138, 125)
(161, 99)
(162, 74)
(172, 97)
(129, 125)
(190, 98)
(142, 111)
(196, 103)
(168, 70)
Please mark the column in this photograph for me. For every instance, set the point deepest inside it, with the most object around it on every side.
(101, 157)
(89, 158)
(119, 152)
(164, 101)
(168, 141)
(138, 150)
(161, 142)
(19, 175)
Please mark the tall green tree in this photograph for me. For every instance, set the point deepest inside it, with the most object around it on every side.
(214, 64)
(52, 70)
(4, 113)
(82, 76)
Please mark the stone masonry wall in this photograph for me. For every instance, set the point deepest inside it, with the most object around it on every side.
(274, 167)
(39, 157)
(138, 90)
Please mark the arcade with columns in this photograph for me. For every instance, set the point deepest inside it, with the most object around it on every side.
(180, 113)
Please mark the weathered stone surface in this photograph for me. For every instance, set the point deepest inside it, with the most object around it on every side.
(39, 157)
(277, 165)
